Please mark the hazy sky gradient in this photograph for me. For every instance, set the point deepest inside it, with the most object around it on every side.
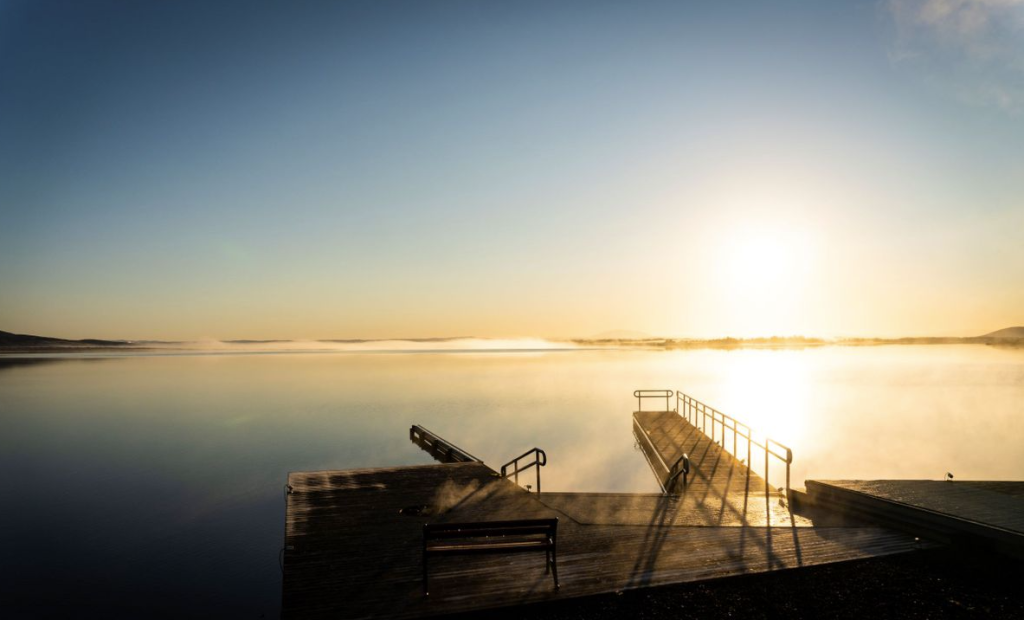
(382, 169)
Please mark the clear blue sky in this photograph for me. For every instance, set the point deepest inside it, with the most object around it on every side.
(375, 169)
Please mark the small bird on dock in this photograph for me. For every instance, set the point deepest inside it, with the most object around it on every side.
(949, 477)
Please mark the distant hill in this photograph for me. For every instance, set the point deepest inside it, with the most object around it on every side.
(29, 342)
(1009, 333)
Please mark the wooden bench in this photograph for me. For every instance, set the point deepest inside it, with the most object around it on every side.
(491, 537)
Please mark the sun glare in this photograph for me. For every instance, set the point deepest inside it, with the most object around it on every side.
(769, 391)
(768, 267)
(765, 260)
(760, 262)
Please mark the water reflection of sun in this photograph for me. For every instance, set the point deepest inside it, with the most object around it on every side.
(763, 276)
(770, 391)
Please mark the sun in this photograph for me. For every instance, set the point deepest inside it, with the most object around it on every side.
(765, 259)
(763, 276)
(758, 261)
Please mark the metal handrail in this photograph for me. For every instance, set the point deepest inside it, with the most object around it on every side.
(640, 395)
(680, 468)
(540, 459)
(440, 449)
(695, 411)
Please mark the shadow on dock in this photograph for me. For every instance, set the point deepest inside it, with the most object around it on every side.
(354, 538)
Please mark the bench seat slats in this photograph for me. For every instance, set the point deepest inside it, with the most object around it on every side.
(526, 545)
(469, 525)
(491, 532)
(441, 539)
(537, 524)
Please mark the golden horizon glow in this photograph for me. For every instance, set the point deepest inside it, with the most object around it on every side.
(679, 186)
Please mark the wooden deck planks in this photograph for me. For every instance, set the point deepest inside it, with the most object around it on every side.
(351, 553)
(687, 510)
(992, 511)
(714, 471)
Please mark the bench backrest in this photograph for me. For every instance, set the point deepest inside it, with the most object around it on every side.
(521, 527)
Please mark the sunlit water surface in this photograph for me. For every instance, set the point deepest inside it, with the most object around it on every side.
(152, 485)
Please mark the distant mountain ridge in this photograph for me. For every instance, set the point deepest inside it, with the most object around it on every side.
(27, 341)
(1008, 333)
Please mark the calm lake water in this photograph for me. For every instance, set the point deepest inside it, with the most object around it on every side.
(153, 484)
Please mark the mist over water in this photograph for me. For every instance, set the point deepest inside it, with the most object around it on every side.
(389, 345)
(154, 483)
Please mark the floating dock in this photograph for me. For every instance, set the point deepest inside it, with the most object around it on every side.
(353, 538)
(990, 513)
(665, 437)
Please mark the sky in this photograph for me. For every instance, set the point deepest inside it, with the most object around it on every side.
(416, 169)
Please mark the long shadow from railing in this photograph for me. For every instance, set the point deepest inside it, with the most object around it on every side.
(722, 425)
(725, 424)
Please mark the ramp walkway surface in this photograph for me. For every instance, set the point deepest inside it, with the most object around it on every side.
(353, 541)
(988, 511)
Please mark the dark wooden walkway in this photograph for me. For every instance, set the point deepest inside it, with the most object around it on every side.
(990, 512)
(714, 470)
(353, 541)
(716, 477)
(689, 510)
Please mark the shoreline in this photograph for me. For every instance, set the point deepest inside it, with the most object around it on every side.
(575, 345)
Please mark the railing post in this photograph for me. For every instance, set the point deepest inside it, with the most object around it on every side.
(789, 459)
(696, 413)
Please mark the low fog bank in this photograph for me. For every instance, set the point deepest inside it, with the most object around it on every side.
(18, 343)
(1010, 337)
(413, 345)
(21, 343)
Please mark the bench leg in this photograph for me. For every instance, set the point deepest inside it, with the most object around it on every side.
(554, 566)
(426, 592)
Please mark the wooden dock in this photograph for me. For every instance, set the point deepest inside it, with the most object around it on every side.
(991, 513)
(353, 540)
(665, 436)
